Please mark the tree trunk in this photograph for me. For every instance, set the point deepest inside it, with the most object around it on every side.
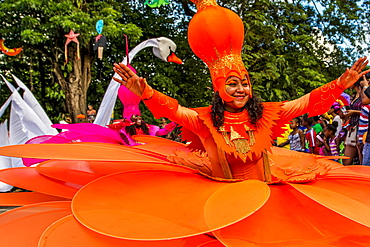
(76, 83)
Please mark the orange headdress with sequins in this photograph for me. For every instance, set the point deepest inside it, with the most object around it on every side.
(216, 36)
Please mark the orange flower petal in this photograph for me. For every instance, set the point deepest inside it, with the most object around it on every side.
(155, 205)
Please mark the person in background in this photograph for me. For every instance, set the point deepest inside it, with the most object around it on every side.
(326, 118)
(334, 111)
(362, 127)
(162, 125)
(163, 122)
(351, 149)
(320, 144)
(310, 135)
(363, 121)
(316, 124)
(345, 122)
(296, 137)
(137, 126)
(301, 127)
(365, 97)
(331, 141)
(91, 113)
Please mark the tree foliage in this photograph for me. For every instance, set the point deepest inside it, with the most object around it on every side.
(40, 26)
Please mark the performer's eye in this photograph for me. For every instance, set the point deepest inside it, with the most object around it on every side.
(231, 84)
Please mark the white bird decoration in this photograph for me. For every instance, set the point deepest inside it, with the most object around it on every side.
(163, 48)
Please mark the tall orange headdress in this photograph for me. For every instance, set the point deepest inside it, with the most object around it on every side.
(216, 36)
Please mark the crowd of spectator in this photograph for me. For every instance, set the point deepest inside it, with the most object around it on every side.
(342, 131)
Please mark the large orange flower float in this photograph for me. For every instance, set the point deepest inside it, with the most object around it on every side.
(155, 195)
(162, 193)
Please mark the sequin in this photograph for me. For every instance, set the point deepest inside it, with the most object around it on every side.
(202, 4)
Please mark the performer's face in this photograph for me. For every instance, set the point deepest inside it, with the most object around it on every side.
(138, 120)
(240, 90)
(294, 124)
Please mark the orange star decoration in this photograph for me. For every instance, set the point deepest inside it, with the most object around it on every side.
(71, 37)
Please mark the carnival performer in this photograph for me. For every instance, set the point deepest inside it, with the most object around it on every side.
(132, 122)
(234, 189)
(236, 121)
(137, 126)
(237, 129)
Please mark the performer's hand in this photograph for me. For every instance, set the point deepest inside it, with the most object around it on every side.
(353, 74)
(129, 79)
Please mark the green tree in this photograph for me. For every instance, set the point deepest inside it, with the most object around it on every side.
(41, 25)
(286, 47)
(291, 47)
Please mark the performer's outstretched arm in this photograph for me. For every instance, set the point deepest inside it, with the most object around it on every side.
(158, 103)
(320, 99)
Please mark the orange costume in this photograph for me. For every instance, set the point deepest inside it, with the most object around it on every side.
(233, 189)
(235, 151)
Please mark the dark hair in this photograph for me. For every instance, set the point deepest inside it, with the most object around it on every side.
(332, 127)
(131, 129)
(298, 120)
(254, 107)
(307, 119)
(316, 118)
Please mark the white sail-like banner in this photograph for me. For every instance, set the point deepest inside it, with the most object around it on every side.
(30, 99)
(27, 118)
(5, 162)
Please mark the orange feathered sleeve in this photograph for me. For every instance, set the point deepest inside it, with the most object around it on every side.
(164, 106)
(315, 103)
(323, 97)
(158, 103)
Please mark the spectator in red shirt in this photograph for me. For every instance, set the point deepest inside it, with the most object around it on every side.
(310, 135)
